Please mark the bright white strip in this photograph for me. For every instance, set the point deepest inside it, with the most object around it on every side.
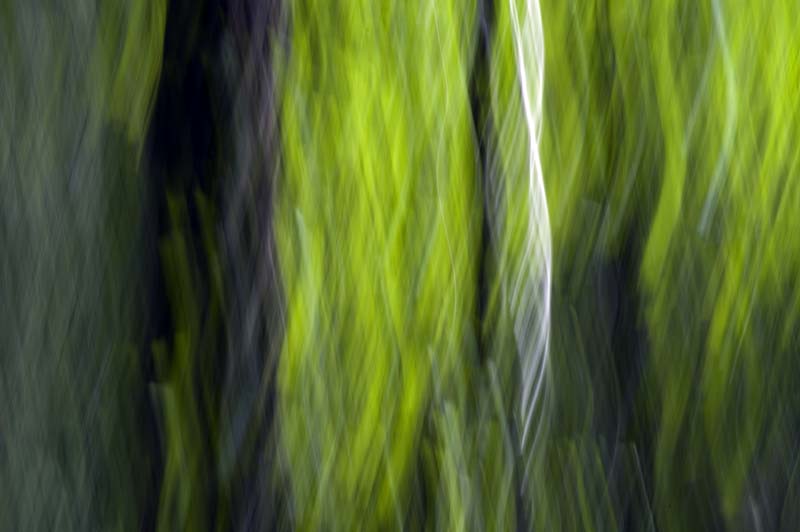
(532, 319)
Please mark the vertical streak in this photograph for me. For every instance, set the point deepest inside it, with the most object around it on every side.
(528, 37)
(730, 115)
